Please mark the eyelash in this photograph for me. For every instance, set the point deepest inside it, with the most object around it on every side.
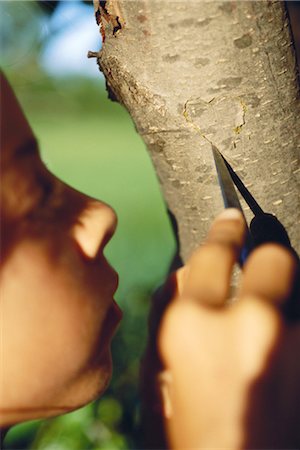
(55, 205)
(47, 190)
(51, 202)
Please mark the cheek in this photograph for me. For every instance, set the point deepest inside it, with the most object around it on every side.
(53, 327)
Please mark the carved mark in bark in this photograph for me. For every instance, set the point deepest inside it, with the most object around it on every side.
(224, 118)
(243, 42)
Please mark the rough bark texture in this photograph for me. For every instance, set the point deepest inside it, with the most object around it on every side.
(202, 72)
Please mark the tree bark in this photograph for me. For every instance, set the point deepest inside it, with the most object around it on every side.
(202, 72)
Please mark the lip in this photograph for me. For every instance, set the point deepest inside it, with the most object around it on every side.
(112, 319)
(111, 322)
(115, 280)
(115, 313)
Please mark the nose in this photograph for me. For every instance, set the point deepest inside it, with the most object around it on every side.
(94, 228)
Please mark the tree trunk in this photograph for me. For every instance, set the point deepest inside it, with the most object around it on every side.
(202, 72)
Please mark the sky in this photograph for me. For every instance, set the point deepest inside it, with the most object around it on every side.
(76, 32)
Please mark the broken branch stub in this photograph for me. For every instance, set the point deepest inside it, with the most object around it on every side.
(202, 72)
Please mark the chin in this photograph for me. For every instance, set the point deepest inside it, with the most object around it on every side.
(67, 390)
(100, 380)
(91, 385)
(79, 395)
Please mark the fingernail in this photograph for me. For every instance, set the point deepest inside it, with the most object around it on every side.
(229, 214)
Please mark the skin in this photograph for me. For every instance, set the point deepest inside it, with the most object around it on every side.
(57, 311)
(231, 371)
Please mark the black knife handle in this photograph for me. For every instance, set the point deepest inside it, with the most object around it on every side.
(267, 228)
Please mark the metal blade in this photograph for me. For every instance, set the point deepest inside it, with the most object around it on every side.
(229, 194)
(231, 200)
(248, 197)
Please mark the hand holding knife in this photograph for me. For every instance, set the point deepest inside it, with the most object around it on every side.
(264, 227)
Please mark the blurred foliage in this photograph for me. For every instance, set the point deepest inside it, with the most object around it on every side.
(91, 143)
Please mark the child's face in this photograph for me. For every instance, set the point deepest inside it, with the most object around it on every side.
(57, 312)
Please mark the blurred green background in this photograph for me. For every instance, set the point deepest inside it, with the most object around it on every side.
(91, 144)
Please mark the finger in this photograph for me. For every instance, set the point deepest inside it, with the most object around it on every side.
(180, 277)
(209, 270)
(269, 274)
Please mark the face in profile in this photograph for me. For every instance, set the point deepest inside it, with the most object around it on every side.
(57, 312)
